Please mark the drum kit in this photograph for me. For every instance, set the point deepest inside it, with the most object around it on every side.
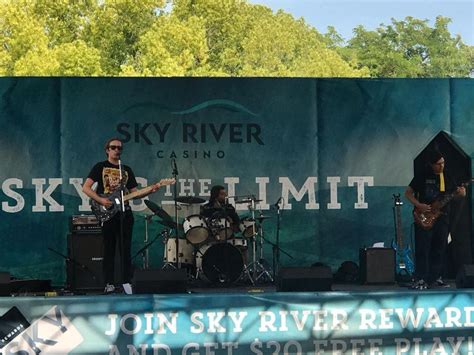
(214, 249)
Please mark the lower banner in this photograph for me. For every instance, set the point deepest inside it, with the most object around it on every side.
(248, 323)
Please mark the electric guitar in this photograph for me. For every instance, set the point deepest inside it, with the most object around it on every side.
(404, 262)
(104, 214)
(426, 220)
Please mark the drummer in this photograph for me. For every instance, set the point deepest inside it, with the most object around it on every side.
(218, 206)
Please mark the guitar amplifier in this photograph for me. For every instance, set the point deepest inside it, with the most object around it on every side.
(85, 271)
(377, 265)
(83, 223)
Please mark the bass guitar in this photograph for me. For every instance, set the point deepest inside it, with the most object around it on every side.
(404, 260)
(104, 214)
(427, 219)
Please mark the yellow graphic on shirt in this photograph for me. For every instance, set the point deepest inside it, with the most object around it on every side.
(111, 179)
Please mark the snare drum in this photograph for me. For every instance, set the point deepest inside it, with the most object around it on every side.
(196, 229)
(248, 227)
(185, 252)
(239, 243)
(221, 228)
(219, 262)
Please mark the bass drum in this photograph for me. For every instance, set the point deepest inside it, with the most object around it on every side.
(185, 252)
(219, 263)
(195, 229)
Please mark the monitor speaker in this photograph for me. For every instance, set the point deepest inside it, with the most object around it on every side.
(316, 278)
(5, 284)
(160, 281)
(465, 277)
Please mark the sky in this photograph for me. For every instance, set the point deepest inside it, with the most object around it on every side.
(345, 15)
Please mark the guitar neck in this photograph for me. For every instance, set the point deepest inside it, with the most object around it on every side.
(448, 197)
(138, 193)
(398, 226)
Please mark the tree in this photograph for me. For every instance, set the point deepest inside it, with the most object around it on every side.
(170, 48)
(116, 27)
(35, 42)
(410, 48)
(211, 38)
(251, 40)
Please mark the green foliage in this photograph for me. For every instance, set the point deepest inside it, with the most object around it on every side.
(171, 47)
(410, 48)
(211, 38)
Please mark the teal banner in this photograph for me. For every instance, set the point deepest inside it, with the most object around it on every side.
(334, 149)
(268, 323)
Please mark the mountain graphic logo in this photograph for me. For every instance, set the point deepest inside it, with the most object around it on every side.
(224, 104)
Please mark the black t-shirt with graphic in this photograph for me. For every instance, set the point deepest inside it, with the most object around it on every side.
(107, 176)
(427, 186)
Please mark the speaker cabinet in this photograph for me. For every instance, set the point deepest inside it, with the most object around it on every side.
(85, 270)
(317, 278)
(377, 265)
(465, 277)
(160, 281)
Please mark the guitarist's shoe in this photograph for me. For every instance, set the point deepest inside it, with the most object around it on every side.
(420, 285)
(109, 288)
(440, 283)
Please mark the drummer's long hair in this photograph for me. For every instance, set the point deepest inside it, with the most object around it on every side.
(215, 192)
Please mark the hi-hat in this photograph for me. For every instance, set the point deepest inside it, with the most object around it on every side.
(189, 200)
(248, 200)
(157, 210)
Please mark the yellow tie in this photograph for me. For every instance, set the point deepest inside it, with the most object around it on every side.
(441, 183)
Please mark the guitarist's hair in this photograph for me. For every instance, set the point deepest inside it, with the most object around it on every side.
(110, 141)
(433, 156)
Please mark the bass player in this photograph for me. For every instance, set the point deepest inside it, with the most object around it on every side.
(431, 244)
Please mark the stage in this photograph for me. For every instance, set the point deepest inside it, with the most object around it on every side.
(314, 164)
(357, 319)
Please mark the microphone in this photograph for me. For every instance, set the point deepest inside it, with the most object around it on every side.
(277, 204)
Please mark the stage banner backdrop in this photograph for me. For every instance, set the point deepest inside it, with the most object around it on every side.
(336, 150)
(292, 323)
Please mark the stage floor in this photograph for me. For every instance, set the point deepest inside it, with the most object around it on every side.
(337, 287)
(205, 288)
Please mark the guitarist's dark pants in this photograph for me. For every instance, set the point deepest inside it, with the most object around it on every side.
(430, 250)
(111, 234)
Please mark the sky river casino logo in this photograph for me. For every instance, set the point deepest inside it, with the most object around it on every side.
(170, 136)
(52, 333)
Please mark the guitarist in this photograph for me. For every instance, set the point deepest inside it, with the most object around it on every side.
(430, 245)
(107, 176)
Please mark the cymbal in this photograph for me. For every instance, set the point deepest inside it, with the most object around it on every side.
(170, 224)
(258, 218)
(263, 217)
(190, 200)
(157, 210)
(248, 200)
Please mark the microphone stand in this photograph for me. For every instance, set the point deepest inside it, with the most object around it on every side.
(122, 215)
(175, 191)
(276, 246)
